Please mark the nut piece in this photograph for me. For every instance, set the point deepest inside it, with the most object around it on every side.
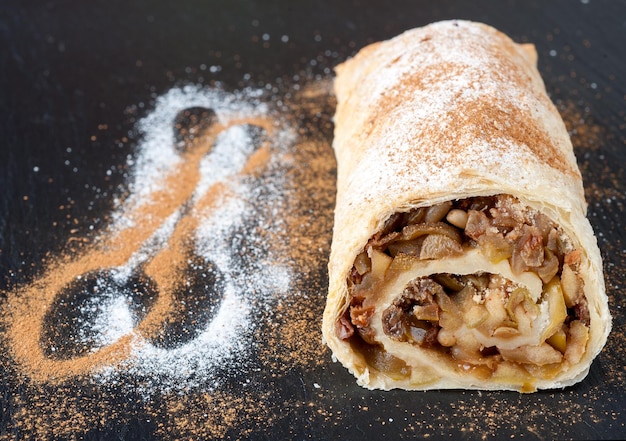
(457, 217)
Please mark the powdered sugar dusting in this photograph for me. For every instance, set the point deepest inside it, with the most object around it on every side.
(223, 341)
(439, 106)
(220, 232)
(157, 154)
(173, 290)
(114, 318)
(228, 156)
(435, 85)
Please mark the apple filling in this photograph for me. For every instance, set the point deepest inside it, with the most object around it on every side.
(487, 281)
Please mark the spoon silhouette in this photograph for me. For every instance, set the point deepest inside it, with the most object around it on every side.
(130, 253)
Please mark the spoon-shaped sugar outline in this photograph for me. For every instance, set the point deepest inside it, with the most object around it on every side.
(178, 200)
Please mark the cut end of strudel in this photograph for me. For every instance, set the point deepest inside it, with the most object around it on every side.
(462, 257)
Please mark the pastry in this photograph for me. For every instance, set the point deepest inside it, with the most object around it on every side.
(461, 256)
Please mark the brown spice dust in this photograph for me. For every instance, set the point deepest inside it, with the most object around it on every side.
(49, 405)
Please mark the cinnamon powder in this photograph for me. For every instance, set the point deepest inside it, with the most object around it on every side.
(100, 390)
(30, 306)
(242, 215)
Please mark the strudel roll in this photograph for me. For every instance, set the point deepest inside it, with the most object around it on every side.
(461, 255)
